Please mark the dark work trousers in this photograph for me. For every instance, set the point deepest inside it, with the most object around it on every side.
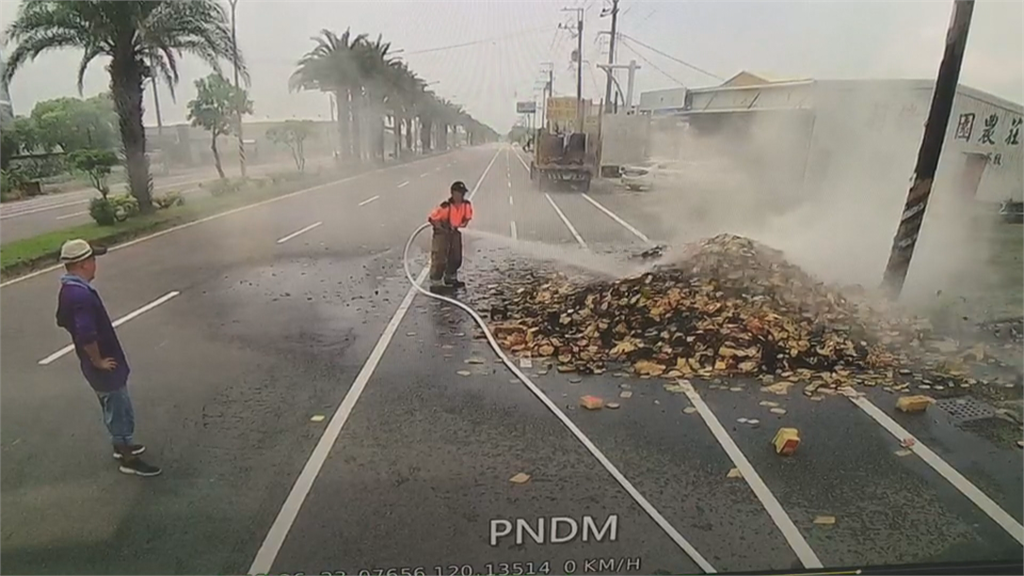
(445, 254)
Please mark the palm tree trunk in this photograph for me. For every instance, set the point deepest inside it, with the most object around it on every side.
(425, 129)
(408, 134)
(344, 132)
(216, 155)
(126, 89)
(396, 133)
(357, 128)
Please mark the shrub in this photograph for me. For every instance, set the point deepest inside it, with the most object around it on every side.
(96, 164)
(172, 198)
(225, 186)
(102, 211)
(125, 206)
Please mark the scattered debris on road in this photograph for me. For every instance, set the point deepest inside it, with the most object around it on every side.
(726, 306)
(612, 405)
(689, 410)
(317, 418)
(907, 442)
(734, 473)
(474, 360)
(591, 402)
(464, 373)
(786, 441)
(914, 403)
(903, 452)
(825, 520)
(521, 478)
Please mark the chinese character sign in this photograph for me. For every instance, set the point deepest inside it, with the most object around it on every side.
(1013, 136)
(964, 126)
(990, 127)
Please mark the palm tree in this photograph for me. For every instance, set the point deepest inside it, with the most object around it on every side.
(332, 67)
(143, 39)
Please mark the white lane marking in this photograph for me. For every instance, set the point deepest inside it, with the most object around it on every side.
(217, 216)
(425, 174)
(297, 232)
(510, 201)
(268, 551)
(66, 216)
(26, 212)
(615, 473)
(116, 323)
(403, 184)
(615, 217)
(368, 200)
(771, 504)
(523, 162)
(565, 220)
(972, 492)
(509, 183)
(515, 233)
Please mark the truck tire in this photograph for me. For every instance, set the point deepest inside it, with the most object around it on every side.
(541, 181)
(586, 184)
(533, 171)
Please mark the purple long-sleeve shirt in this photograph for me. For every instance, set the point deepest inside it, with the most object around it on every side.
(80, 311)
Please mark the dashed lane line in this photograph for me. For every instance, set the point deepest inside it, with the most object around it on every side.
(403, 184)
(771, 504)
(297, 232)
(264, 560)
(972, 492)
(511, 202)
(129, 316)
(615, 217)
(565, 221)
(512, 228)
(76, 214)
(368, 200)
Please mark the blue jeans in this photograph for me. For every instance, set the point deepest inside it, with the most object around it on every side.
(118, 415)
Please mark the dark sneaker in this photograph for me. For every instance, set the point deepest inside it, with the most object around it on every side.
(139, 468)
(136, 450)
(454, 283)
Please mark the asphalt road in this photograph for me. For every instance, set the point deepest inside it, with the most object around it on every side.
(409, 470)
(33, 216)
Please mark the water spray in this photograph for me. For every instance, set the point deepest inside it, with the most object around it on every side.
(540, 395)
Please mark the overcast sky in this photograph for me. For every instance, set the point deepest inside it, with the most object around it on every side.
(896, 39)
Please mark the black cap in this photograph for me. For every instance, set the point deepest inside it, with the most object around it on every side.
(459, 186)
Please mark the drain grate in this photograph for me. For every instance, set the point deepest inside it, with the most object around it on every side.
(965, 408)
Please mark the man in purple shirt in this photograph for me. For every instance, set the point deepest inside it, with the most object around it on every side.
(81, 312)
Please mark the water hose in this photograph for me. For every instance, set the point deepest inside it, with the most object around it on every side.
(533, 388)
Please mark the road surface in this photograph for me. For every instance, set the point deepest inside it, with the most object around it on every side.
(274, 316)
(26, 218)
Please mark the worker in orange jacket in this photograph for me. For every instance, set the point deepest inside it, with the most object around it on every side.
(446, 244)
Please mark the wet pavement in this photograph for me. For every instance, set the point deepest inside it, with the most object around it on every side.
(410, 469)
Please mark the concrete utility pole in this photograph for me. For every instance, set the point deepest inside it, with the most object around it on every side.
(238, 109)
(579, 66)
(547, 92)
(931, 148)
(614, 12)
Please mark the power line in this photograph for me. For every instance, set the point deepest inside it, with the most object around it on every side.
(674, 59)
(475, 42)
(652, 64)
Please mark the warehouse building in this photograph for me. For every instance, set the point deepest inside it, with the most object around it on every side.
(809, 133)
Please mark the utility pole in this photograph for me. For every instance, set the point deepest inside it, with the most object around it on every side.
(579, 66)
(632, 67)
(547, 92)
(238, 108)
(614, 12)
(931, 149)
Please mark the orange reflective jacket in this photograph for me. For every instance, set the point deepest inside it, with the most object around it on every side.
(458, 215)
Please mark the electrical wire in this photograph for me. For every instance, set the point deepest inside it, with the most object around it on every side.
(652, 64)
(674, 59)
(475, 42)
